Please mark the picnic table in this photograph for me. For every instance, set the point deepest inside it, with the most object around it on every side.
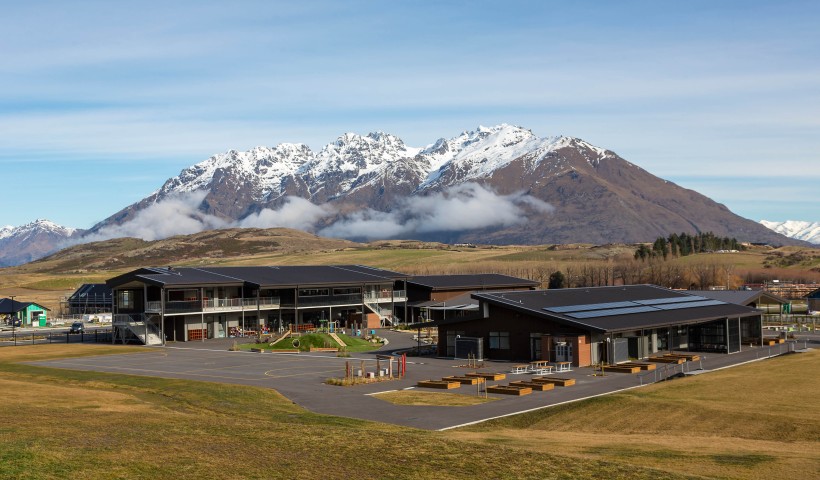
(520, 369)
(540, 367)
(563, 366)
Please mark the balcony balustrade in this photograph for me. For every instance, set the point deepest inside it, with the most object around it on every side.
(212, 305)
(386, 296)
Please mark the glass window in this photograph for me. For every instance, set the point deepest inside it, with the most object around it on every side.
(500, 340)
(314, 292)
(125, 299)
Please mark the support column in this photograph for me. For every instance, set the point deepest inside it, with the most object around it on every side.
(202, 310)
(162, 315)
(727, 336)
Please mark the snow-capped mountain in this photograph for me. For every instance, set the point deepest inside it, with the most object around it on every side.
(806, 231)
(31, 241)
(597, 197)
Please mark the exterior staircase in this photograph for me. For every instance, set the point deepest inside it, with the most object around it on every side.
(143, 329)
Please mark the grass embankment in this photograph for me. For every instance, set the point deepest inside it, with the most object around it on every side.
(317, 340)
(72, 424)
(437, 399)
(753, 421)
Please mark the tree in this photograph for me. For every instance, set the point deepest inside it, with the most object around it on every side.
(557, 280)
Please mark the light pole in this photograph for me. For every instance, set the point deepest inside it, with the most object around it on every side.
(13, 321)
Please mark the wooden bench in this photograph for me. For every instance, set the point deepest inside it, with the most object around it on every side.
(487, 375)
(509, 390)
(540, 387)
(438, 384)
(462, 380)
(560, 382)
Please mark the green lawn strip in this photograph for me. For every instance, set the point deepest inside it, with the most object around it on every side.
(316, 340)
(188, 430)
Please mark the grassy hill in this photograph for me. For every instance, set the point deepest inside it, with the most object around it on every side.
(47, 280)
(693, 426)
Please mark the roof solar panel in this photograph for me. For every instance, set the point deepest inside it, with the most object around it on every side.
(613, 311)
(678, 306)
(661, 301)
(591, 306)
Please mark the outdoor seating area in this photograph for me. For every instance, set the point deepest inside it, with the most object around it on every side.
(541, 367)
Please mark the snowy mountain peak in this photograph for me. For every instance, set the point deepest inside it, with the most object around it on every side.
(32, 240)
(43, 225)
(801, 230)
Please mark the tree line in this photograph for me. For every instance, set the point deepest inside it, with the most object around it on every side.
(683, 244)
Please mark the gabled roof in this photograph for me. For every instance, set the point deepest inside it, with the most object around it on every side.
(96, 291)
(814, 294)
(616, 309)
(7, 304)
(481, 281)
(741, 297)
(265, 277)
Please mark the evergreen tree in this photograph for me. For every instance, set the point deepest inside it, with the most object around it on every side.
(556, 280)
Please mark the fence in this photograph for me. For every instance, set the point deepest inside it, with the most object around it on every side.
(36, 338)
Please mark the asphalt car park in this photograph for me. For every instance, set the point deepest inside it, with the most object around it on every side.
(301, 378)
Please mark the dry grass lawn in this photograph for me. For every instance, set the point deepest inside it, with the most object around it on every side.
(73, 424)
(435, 399)
(757, 421)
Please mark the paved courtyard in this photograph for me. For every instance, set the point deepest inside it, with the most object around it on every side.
(300, 377)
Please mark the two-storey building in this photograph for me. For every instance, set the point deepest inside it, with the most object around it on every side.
(181, 304)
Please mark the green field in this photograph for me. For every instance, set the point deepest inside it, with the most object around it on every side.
(72, 424)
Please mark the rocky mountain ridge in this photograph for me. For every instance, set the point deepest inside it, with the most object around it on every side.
(500, 184)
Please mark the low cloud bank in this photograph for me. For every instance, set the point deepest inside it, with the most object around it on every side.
(468, 206)
(464, 207)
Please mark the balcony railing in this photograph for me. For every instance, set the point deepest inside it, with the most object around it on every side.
(385, 296)
(330, 300)
(213, 305)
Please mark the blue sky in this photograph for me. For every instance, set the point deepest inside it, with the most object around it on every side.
(101, 102)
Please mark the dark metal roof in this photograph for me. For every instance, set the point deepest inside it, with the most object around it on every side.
(91, 291)
(267, 276)
(741, 297)
(534, 303)
(482, 281)
(8, 305)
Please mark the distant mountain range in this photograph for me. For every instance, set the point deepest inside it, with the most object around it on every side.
(29, 242)
(493, 185)
(806, 231)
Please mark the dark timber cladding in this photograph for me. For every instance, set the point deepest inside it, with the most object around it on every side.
(434, 297)
(589, 325)
(186, 303)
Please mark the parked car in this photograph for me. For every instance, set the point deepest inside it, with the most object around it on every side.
(16, 322)
(77, 327)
